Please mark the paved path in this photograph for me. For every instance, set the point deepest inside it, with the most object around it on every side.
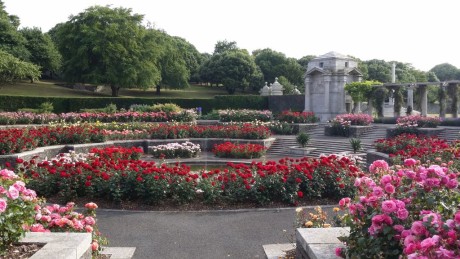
(212, 234)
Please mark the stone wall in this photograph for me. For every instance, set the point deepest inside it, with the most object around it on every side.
(281, 103)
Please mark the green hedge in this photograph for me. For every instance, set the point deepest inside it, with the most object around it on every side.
(69, 104)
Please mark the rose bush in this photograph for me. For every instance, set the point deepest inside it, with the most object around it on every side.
(232, 150)
(297, 117)
(244, 115)
(400, 211)
(17, 204)
(56, 218)
(176, 150)
(341, 123)
(288, 180)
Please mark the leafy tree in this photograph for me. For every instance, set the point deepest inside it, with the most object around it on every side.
(303, 61)
(42, 49)
(108, 46)
(275, 64)
(236, 68)
(11, 40)
(431, 77)
(446, 72)
(191, 56)
(13, 69)
(256, 81)
(288, 86)
(378, 70)
(172, 63)
(223, 46)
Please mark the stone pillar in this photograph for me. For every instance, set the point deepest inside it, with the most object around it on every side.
(424, 103)
(370, 107)
(307, 94)
(453, 93)
(327, 81)
(342, 82)
(410, 96)
(442, 100)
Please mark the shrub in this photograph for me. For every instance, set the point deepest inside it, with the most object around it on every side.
(418, 121)
(410, 210)
(297, 117)
(303, 139)
(355, 144)
(46, 107)
(282, 128)
(17, 208)
(244, 115)
(56, 218)
(166, 107)
(176, 150)
(231, 150)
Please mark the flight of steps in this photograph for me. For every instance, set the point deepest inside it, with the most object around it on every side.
(450, 134)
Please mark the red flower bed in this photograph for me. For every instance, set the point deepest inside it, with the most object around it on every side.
(117, 179)
(231, 150)
(419, 147)
(297, 117)
(22, 139)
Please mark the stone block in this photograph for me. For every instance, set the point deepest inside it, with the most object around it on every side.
(61, 245)
(316, 243)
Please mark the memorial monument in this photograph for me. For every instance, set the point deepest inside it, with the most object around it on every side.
(325, 81)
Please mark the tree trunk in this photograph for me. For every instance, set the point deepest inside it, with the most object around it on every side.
(158, 90)
(115, 90)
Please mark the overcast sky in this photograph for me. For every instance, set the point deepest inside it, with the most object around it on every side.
(424, 33)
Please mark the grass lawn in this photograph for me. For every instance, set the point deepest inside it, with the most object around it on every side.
(51, 89)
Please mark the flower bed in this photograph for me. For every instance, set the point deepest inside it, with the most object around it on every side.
(22, 139)
(116, 179)
(244, 115)
(348, 125)
(423, 148)
(11, 118)
(408, 211)
(175, 150)
(232, 150)
(418, 121)
(297, 117)
(22, 211)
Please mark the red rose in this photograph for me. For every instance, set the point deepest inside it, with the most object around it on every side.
(300, 194)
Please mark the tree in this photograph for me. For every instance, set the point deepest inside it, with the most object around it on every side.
(275, 64)
(378, 70)
(223, 46)
(303, 61)
(42, 49)
(236, 68)
(446, 72)
(191, 56)
(108, 46)
(13, 69)
(11, 40)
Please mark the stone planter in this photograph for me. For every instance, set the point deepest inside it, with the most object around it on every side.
(352, 132)
(430, 132)
(61, 245)
(318, 242)
(303, 127)
(301, 150)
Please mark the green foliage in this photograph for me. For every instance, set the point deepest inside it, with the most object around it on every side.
(42, 50)
(110, 108)
(303, 138)
(12, 69)
(166, 107)
(11, 41)
(361, 91)
(236, 68)
(108, 46)
(379, 96)
(378, 70)
(46, 107)
(355, 144)
(446, 72)
(70, 104)
(224, 46)
(275, 64)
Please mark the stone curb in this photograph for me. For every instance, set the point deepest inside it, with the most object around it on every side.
(60, 245)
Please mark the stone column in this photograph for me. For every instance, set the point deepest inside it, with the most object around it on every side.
(410, 96)
(442, 100)
(307, 94)
(424, 103)
(342, 82)
(327, 81)
(453, 93)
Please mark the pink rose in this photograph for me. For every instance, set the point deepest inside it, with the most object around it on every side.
(377, 191)
(389, 188)
(385, 179)
(88, 229)
(378, 165)
(339, 252)
(427, 244)
(91, 206)
(90, 221)
(19, 185)
(398, 228)
(402, 214)
(94, 246)
(389, 206)
(418, 228)
(410, 162)
(13, 193)
(3, 205)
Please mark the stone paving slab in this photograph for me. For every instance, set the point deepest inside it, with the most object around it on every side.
(119, 252)
(275, 251)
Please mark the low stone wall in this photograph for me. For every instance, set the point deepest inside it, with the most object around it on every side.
(430, 132)
(353, 131)
(313, 243)
(51, 151)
